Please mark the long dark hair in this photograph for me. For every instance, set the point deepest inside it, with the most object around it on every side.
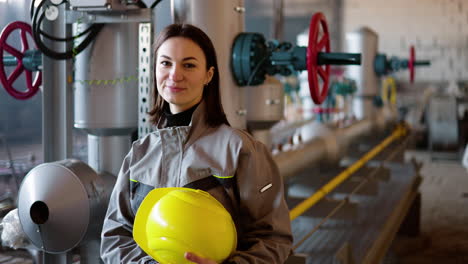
(215, 115)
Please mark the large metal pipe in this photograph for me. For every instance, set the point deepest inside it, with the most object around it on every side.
(292, 162)
(57, 97)
(105, 154)
(331, 146)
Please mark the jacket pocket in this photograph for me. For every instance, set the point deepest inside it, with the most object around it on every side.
(138, 192)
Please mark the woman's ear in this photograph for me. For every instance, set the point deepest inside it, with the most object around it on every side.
(209, 75)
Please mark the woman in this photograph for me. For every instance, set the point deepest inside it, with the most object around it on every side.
(195, 147)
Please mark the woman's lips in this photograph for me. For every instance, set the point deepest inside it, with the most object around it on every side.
(175, 89)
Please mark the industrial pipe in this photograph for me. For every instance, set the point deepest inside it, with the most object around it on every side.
(331, 185)
(331, 146)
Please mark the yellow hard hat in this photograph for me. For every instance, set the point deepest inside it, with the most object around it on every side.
(172, 221)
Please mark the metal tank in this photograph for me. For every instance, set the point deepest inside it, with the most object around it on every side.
(106, 83)
(364, 41)
(106, 94)
(61, 205)
(442, 123)
(264, 108)
(265, 102)
(207, 14)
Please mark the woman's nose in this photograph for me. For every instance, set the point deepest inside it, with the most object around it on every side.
(176, 73)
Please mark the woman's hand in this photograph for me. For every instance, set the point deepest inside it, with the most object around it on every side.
(197, 259)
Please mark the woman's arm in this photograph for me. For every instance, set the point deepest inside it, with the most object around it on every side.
(264, 216)
(117, 244)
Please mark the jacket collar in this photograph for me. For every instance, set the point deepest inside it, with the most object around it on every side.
(198, 125)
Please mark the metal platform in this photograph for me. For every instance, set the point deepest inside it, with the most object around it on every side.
(374, 216)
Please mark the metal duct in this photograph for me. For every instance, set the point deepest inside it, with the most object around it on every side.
(62, 204)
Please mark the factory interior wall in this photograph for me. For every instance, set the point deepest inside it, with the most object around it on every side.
(437, 28)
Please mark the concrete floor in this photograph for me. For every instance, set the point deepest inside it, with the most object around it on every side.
(444, 215)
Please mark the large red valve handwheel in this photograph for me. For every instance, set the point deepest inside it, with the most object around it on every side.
(7, 82)
(315, 46)
(411, 62)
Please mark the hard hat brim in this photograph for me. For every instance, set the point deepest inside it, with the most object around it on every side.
(139, 225)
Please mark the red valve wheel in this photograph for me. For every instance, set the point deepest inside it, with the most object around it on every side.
(315, 46)
(32, 86)
(411, 61)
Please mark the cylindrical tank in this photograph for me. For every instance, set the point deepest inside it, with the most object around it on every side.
(265, 107)
(106, 81)
(62, 204)
(265, 102)
(364, 41)
(207, 14)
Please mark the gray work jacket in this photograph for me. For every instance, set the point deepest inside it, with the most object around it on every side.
(250, 188)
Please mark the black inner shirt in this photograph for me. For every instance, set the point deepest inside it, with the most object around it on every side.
(179, 119)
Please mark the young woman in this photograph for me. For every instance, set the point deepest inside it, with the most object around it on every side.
(195, 147)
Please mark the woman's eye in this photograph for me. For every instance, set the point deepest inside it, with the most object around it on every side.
(189, 65)
(165, 63)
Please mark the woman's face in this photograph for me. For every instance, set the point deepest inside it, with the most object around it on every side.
(181, 73)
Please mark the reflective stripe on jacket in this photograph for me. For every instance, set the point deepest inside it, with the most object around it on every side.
(250, 188)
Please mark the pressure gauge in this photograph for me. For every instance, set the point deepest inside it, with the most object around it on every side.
(51, 13)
